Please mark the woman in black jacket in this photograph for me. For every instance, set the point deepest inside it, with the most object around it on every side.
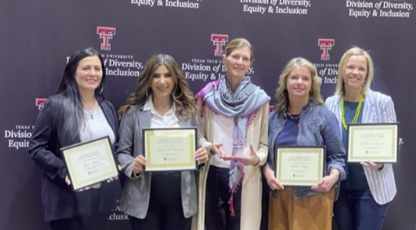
(77, 113)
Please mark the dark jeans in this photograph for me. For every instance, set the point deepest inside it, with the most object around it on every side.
(357, 210)
(165, 208)
(217, 209)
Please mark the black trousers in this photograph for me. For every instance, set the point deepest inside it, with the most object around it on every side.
(265, 205)
(217, 209)
(94, 222)
(165, 208)
(89, 202)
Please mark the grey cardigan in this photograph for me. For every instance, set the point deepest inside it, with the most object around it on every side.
(136, 192)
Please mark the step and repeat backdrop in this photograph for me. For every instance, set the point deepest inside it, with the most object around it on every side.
(37, 38)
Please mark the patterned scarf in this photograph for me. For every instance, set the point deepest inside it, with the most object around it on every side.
(240, 105)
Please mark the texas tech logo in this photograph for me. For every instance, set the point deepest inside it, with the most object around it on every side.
(40, 103)
(106, 33)
(326, 44)
(219, 41)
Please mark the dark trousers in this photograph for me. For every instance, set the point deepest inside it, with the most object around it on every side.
(88, 202)
(94, 222)
(217, 209)
(165, 208)
(357, 210)
(265, 205)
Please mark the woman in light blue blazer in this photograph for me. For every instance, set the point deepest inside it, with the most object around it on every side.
(365, 195)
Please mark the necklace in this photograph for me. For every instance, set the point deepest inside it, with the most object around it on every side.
(90, 113)
(294, 117)
(357, 112)
(90, 109)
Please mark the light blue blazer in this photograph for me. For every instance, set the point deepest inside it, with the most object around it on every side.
(379, 108)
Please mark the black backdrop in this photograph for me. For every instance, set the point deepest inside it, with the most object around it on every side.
(38, 36)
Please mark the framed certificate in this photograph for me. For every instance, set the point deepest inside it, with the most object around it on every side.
(375, 142)
(300, 165)
(170, 149)
(90, 162)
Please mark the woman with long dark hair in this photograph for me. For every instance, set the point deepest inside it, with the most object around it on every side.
(77, 113)
(162, 99)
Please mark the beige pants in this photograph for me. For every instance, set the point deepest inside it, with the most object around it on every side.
(307, 213)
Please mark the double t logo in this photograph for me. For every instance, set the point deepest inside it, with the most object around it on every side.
(219, 41)
(106, 33)
(326, 44)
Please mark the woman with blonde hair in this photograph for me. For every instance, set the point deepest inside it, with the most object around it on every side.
(233, 116)
(365, 195)
(301, 119)
(162, 99)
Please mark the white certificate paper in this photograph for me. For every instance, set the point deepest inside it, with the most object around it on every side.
(375, 142)
(170, 149)
(90, 162)
(300, 165)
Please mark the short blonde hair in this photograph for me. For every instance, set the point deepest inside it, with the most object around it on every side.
(340, 88)
(282, 95)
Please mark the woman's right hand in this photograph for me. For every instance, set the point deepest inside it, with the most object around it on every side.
(273, 183)
(138, 163)
(216, 149)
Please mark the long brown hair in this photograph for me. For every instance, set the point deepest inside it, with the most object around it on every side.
(181, 96)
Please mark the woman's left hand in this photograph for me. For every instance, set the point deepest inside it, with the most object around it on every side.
(326, 183)
(253, 159)
(371, 164)
(201, 155)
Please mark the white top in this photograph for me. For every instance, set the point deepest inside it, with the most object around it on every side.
(224, 133)
(95, 126)
(168, 120)
(256, 136)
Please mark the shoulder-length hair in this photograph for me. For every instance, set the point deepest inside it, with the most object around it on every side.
(181, 95)
(340, 88)
(72, 109)
(282, 95)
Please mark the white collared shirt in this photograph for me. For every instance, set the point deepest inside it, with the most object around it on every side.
(168, 120)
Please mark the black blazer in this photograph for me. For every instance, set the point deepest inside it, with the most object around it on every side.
(59, 201)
